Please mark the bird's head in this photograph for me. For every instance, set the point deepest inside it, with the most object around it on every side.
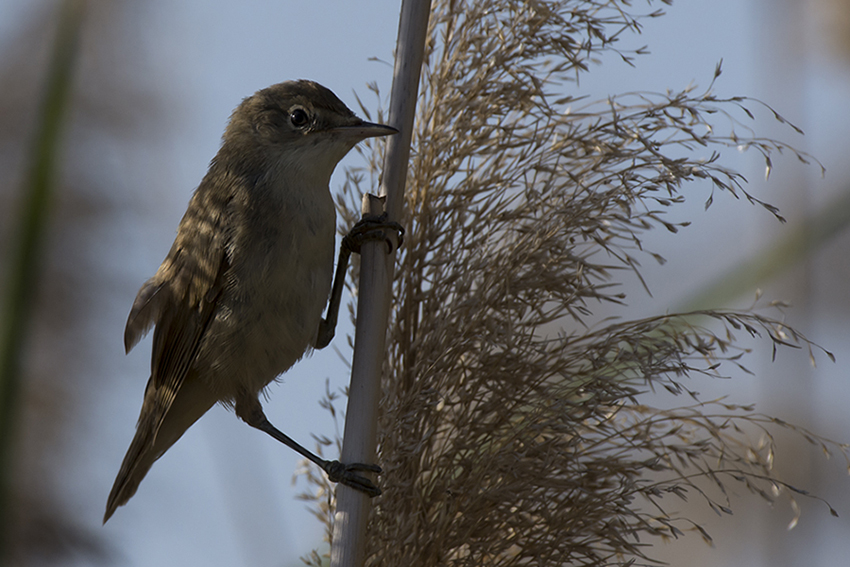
(300, 123)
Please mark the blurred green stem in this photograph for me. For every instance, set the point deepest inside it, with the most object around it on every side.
(755, 272)
(27, 244)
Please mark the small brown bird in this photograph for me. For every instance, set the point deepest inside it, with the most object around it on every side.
(240, 295)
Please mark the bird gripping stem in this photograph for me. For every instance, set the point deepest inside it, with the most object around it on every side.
(371, 226)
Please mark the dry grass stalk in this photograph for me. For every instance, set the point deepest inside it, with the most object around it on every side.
(514, 430)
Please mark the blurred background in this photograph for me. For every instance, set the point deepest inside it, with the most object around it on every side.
(153, 86)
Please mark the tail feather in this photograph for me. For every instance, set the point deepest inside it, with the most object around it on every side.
(163, 420)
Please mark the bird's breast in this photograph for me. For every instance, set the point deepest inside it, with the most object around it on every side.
(277, 289)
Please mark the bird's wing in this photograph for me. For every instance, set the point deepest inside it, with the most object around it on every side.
(174, 397)
(182, 298)
(181, 327)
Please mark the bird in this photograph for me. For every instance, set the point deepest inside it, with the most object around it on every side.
(240, 295)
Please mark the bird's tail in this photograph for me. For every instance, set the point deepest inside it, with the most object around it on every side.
(164, 418)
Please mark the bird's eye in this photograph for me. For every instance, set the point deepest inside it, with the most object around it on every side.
(299, 117)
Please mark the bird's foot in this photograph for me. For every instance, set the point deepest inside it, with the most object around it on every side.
(347, 475)
(372, 227)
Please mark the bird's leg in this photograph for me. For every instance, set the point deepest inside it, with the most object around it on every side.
(370, 227)
(251, 412)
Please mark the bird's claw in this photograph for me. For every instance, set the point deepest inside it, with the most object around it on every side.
(347, 475)
(372, 227)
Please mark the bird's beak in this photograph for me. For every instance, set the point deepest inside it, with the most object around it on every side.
(363, 130)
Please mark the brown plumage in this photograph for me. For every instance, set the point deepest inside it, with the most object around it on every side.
(240, 295)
